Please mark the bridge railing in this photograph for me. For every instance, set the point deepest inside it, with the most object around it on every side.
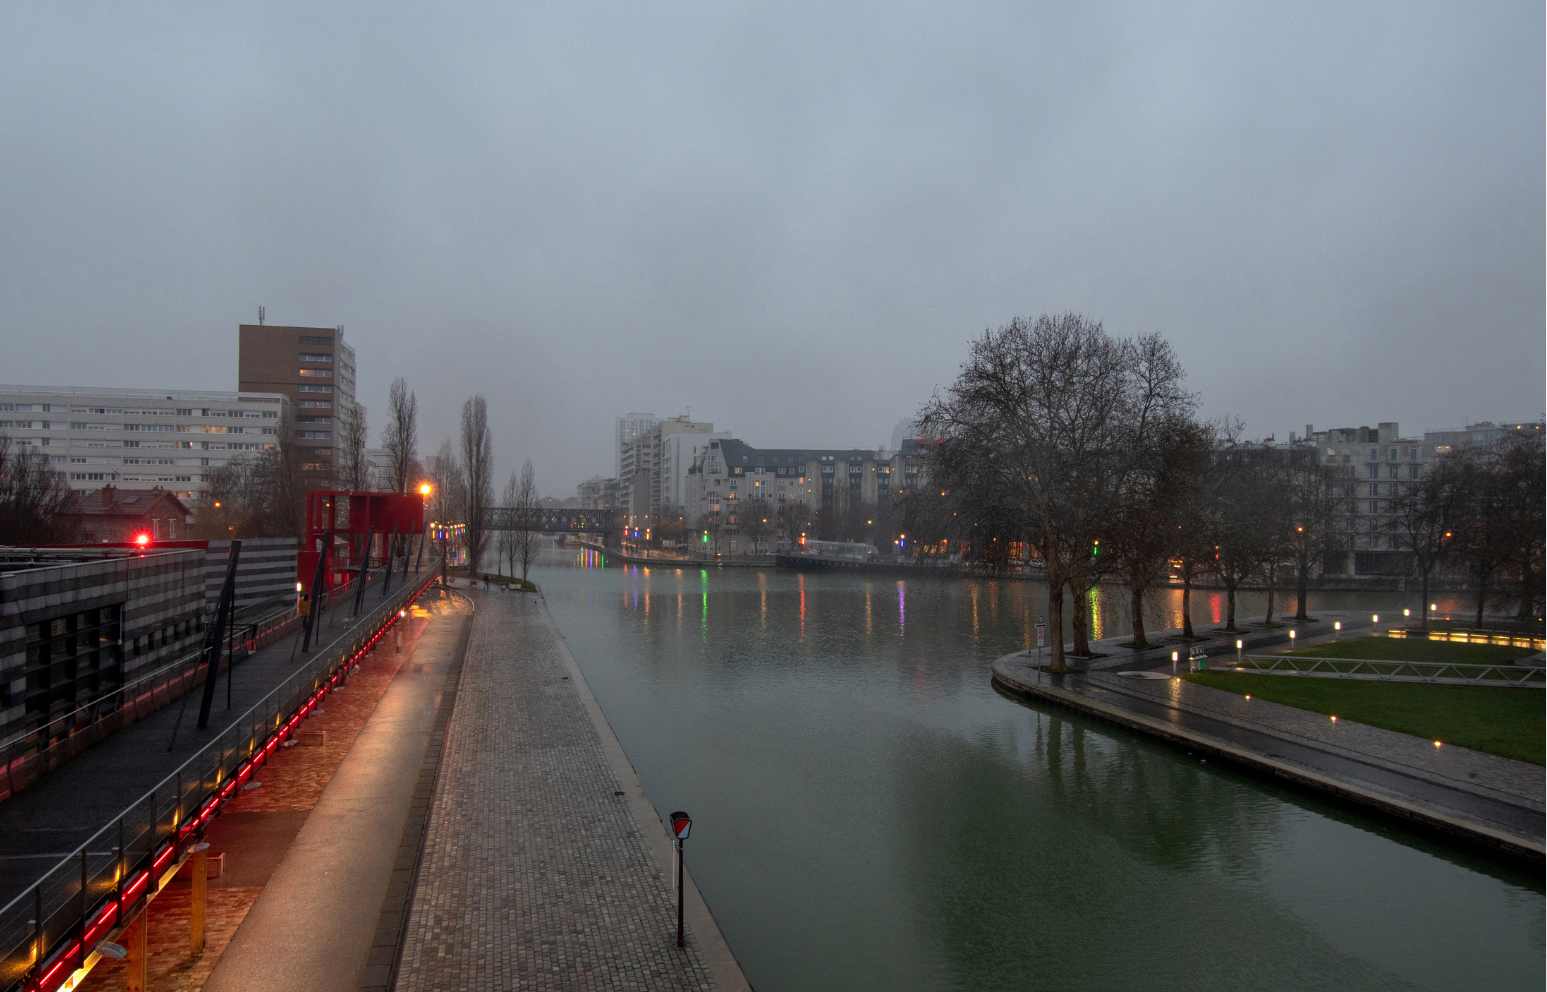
(48, 929)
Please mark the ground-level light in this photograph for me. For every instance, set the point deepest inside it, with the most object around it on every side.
(681, 824)
(142, 539)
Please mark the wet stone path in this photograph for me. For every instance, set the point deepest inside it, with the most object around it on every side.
(534, 873)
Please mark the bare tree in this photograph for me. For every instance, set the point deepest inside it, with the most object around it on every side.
(33, 497)
(793, 519)
(401, 436)
(505, 540)
(278, 487)
(1321, 496)
(1153, 510)
(524, 532)
(354, 468)
(757, 521)
(449, 501)
(1500, 523)
(477, 453)
(1428, 512)
(1055, 412)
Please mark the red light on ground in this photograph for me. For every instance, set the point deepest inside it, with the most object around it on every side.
(142, 539)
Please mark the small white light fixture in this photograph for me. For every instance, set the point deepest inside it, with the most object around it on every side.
(1406, 612)
(1337, 625)
(1375, 618)
(1434, 607)
(1292, 633)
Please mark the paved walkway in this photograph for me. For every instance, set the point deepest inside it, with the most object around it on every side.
(537, 872)
(1482, 796)
(315, 923)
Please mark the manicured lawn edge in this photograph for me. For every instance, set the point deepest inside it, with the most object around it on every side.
(1503, 721)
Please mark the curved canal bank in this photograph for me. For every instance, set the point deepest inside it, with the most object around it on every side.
(1491, 801)
(870, 813)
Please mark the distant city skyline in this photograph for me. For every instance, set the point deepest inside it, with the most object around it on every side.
(1334, 218)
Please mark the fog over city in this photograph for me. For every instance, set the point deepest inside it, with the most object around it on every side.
(789, 217)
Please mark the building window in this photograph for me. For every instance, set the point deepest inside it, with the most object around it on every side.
(307, 388)
(1374, 471)
(73, 659)
(315, 358)
(314, 373)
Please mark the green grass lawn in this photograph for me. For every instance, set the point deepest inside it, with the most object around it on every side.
(1507, 722)
(1414, 649)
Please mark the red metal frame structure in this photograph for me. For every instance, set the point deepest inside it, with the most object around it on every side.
(355, 517)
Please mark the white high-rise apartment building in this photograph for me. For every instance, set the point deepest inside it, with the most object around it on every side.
(170, 439)
(630, 428)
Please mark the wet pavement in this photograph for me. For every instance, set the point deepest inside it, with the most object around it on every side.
(537, 872)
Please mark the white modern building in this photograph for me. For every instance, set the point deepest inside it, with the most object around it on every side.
(1378, 466)
(170, 439)
(682, 443)
(629, 428)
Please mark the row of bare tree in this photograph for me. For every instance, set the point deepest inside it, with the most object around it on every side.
(32, 497)
(1087, 448)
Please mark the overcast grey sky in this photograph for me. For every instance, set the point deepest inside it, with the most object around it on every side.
(790, 217)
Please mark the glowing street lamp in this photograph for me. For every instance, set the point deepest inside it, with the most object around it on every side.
(425, 489)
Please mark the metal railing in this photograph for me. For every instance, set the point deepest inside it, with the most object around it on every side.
(1436, 672)
(56, 921)
(27, 755)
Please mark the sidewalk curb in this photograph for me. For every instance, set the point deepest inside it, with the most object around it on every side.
(1473, 830)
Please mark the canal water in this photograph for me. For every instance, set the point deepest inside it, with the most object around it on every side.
(870, 814)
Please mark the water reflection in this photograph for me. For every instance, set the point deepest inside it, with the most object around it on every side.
(881, 818)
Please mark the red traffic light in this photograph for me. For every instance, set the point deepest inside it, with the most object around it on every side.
(681, 823)
(142, 539)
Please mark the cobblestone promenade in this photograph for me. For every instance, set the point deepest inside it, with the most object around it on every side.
(534, 873)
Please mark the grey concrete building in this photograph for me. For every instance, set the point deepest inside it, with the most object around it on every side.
(78, 624)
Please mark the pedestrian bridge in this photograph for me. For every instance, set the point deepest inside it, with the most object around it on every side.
(552, 520)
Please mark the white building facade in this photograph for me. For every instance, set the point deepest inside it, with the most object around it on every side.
(171, 439)
(629, 428)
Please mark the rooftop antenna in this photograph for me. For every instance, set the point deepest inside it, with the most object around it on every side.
(263, 313)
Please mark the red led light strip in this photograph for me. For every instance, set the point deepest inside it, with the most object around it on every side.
(99, 924)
